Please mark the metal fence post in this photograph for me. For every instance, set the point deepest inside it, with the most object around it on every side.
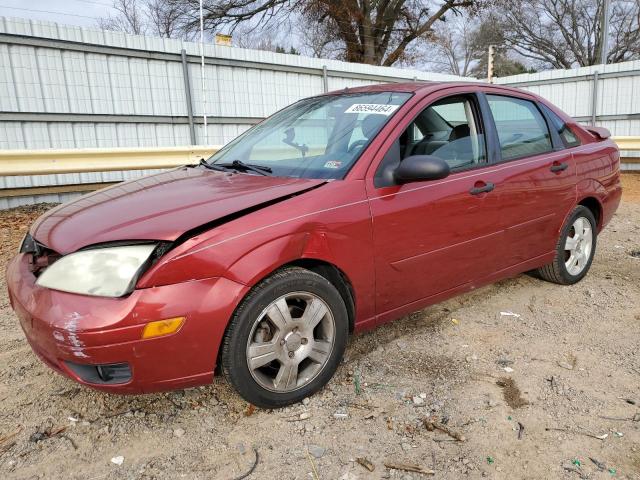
(187, 94)
(594, 99)
(325, 79)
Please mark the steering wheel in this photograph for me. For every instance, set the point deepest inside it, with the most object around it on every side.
(357, 144)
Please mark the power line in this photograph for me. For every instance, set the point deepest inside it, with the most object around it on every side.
(48, 12)
(94, 2)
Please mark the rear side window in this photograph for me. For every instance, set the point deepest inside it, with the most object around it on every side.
(568, 137)
(522, 130)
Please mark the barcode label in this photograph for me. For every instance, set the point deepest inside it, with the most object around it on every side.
(377, 108)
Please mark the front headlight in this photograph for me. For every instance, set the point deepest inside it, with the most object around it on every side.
(103, 272)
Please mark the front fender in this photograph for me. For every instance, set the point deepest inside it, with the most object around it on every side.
(331, 225)
(268, 257)
(264, 259)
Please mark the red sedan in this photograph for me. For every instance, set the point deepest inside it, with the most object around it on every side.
(337, 214)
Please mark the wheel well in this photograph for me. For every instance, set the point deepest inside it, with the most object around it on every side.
(329, 271)
(594, 205)
(337, 278)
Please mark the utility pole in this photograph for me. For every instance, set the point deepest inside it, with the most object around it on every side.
(604, 31)
(492, 52)
(202, 77)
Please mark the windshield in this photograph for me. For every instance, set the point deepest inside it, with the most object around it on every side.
(319, 137)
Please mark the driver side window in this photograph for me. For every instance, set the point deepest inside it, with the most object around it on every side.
(449, 129)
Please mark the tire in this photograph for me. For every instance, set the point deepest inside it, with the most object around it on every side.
(293, 322)
(570, 266)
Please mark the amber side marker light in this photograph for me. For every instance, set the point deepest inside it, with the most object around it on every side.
(161, 328)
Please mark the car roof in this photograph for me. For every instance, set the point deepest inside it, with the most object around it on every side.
(422, 86)
(400, 87)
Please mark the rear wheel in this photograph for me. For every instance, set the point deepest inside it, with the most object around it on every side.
(286, 339)
(575, 249)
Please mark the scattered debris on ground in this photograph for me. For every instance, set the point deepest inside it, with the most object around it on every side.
(409, 468)
(511, 393)
(432, 425)
(366, 463)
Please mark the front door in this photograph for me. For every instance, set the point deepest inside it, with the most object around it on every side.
(434, 236)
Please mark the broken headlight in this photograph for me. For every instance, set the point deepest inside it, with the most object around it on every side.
(28, 244)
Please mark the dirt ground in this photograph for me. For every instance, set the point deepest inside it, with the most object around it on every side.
(552, 392)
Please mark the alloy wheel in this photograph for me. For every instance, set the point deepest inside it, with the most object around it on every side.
(291, 342)
(578, 246)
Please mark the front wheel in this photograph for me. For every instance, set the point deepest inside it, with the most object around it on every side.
(575, 249)
(286, 339)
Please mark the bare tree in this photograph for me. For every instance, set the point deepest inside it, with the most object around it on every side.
(625, 44)
(377, 32)
(246, 36)
(155, 17)
(566, 33)
(455, 46)
(461, 47)
(131, 17)
(317, 39)
(166, 19)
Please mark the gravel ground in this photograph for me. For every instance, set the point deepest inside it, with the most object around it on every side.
(522, 396)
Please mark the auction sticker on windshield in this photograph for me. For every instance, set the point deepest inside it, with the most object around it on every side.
(333, 164)
(378, 108)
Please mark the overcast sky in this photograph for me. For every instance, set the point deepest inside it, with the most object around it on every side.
(70, 12)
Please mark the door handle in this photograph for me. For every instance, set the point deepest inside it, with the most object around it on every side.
(487, 187)
(559, 167)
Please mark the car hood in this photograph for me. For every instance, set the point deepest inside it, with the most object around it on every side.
(159, 207)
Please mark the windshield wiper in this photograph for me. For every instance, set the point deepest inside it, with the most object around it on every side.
(240, 165)
(213, 166)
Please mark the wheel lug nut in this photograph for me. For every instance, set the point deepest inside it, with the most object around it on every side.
(304, 341)
(291, 354)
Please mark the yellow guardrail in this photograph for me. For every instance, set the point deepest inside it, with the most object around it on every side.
(628, 143)
(41, 162)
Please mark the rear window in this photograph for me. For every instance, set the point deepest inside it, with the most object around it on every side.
(522, 130)
(566, 134)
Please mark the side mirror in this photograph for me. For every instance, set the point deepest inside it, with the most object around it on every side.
(418, 168)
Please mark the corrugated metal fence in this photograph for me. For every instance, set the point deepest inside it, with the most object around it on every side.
(72, 87)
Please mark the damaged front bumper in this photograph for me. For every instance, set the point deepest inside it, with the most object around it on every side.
(98, 341)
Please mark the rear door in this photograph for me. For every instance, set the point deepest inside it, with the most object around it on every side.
(537, 177)
(432, 237)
